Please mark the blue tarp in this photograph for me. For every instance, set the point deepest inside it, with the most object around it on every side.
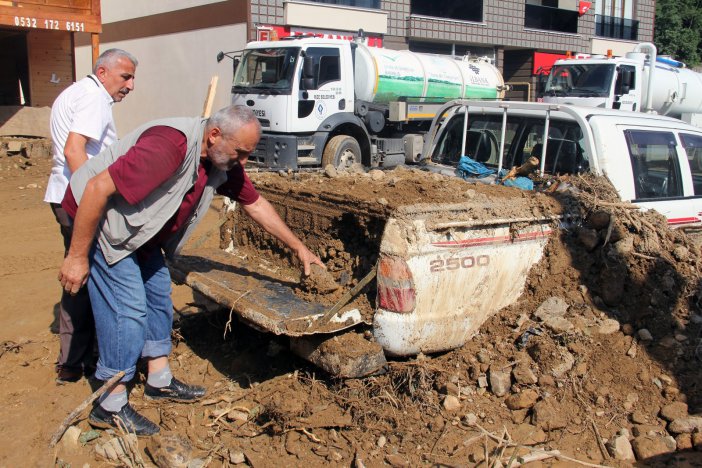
(469, 168)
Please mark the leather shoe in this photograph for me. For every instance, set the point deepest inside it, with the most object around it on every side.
(129, 419)
(177, 391)
(66, 375)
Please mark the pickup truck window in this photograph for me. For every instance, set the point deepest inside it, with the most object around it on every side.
(654, 164)
(693, 149)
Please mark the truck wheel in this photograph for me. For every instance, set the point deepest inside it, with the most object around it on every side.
(341, 152)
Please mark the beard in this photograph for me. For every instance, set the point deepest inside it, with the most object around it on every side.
(222, 160)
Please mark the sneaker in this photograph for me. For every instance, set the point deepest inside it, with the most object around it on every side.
(66, 375)
(177, 391)
(130, 420)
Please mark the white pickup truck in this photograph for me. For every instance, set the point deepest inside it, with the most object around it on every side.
(652, 161)
(440, 266)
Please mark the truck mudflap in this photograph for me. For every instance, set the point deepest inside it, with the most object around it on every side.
(265, 302)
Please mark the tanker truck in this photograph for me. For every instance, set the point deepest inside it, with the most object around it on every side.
(628, 83)
(331, 101)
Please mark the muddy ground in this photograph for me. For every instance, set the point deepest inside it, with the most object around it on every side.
(599, 359)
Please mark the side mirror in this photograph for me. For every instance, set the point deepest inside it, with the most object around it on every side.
(220, 56)
(308, 73)
(627, 79)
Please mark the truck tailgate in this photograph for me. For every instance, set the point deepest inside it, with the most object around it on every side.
(262, 300)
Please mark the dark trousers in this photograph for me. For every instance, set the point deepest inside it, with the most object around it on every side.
(76, 323)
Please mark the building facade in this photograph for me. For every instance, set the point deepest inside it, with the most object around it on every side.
(177, 41)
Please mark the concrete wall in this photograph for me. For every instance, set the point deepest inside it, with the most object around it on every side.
(177, 52)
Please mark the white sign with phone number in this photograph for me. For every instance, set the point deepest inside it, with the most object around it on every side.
(29, 22)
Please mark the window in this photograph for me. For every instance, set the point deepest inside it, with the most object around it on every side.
(466, 10)
(654, 164)
(543, 16)
(355, 3)
(268, 71)
(614, 18)
(693, 148)
(326, 64)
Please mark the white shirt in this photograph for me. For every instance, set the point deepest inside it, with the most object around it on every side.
(85, 108)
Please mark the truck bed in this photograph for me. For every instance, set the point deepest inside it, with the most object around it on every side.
(259, 298)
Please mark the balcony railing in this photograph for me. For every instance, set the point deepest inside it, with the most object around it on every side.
(616, 28)
(550, 18)
(355, 3)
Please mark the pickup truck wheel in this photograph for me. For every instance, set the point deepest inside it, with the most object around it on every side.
(341, 152)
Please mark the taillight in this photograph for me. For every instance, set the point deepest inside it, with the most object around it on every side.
(395, 285)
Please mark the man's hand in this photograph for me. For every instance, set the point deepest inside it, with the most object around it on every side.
(307, 258)
(73, 274)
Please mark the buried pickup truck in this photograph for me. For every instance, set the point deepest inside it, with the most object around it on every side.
(422, 260)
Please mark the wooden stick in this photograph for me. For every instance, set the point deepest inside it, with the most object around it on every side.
(76, 412)
(328, 315)
(600, 444)
(207, 110)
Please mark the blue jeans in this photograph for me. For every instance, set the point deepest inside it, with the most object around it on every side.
(133, 311)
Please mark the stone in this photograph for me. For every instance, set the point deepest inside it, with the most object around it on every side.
(683, 442)
(528, 434)
(598, 220)
(624, 246)
(482, 381)
(638, 417)
(382, 201)
(519, 416)
(330, 171)
(627, 329)
(396, 461)
(608, 327)
(668, 342)
(697, 440)
(376, 174)
(236, 457)
(647, 429)
(681, 253)
(522, 400)
(69, 440)
(648, 446)
(645, 335)
(451, 403)
(675, 410)
(170, 450)
(686, 425)
(565, 363)
(483, 356)
(546, 381)
(500, 382)
(471, 419)
(620, 448)
(558, 324)
(551, 307)
(547, 414)
(523, 375)
(588, 238)
(382, 440)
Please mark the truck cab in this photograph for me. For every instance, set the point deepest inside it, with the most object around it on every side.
(652, 161)
(596, 82)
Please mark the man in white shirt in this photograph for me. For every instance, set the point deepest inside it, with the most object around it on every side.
(81, 127)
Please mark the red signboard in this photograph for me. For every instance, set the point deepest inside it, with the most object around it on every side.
(544, 61)
(583, 7)
(273, 33)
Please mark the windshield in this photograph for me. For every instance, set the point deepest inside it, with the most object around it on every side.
(580, 80)
(266, 70)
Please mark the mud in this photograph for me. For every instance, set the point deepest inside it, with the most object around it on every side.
(570, 389)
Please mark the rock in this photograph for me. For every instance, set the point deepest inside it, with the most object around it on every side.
(627, 329)
(631, 400)
(620, 448)
(330, 171)
(236, 457)
(482, 381)
(519, 416)
(647, 446)
(558, 324)
(546, 381)
(686, 425)
(681, 253)
(527, 434)
(680, 338)
(547, 414)
(648, 429)
(170, 450)
(382, 201)
(624, 246)
(683, 442)
(376, 174)
(471, 419)
(69, 440)
(522, 400)
(381, 441)
(588, 238)
(668, 342)
(645, 335)
(638, 417)
(598, 220)
(451, 403)
(551, 307)
(608, 327)
(523, 375)
(396, 461)
(675, 410)
(483, 356)
(566, 363)
(697, 440)
(500, 382)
